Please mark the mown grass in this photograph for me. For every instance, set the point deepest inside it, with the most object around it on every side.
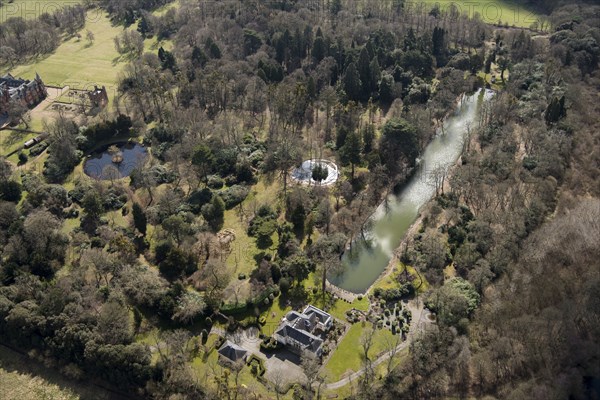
(348, 357)
(31, 9)
(509, 12)
(79, 63)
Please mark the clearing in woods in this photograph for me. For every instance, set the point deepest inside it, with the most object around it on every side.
(491, 11)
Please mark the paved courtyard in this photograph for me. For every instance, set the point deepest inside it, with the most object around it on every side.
(282, 366)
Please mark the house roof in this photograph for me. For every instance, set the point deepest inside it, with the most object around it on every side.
(232, 351)
(300, 321)
(307, 339)
(314, 312)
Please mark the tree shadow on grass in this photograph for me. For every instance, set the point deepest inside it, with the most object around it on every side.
(16, 361)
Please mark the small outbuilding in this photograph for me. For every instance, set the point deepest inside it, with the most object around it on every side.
(232, 353)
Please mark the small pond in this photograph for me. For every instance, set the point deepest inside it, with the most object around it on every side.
(115, 161)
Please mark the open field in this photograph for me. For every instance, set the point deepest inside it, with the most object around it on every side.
(31, 9)
(491, 11)
(78, 63)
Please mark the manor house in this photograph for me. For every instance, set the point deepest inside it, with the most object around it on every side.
(20, 91)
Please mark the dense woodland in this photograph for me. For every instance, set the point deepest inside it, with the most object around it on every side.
(245, 93)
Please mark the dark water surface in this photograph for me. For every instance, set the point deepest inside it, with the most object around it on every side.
(100, 164)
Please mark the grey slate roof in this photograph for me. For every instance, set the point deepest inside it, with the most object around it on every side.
(232, 351)
(307, 339)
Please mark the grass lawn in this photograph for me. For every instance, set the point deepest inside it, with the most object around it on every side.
(339, 307)
(347, 356)
(30, 9)
(244, 248)
(279, 309)
(78, 64)
(273, 315)
(389, 281)
(207, 369)
(510, 12)
(24, 379)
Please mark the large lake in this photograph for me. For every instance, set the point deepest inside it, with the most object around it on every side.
(367, 259)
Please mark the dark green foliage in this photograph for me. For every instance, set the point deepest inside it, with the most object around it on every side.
(264, 223)
(177, 263)
(298, 217)
(263, 233)
(418, 62)
(204, 160)
(364, 73)
(214, 212)
(113, 200)
(270, 71)
(386, 88)
(167, 60)
(92, 205)
(455, 300)
(234, 195)
(460, 61)
(105, 130)
(226, 160)
(212, 48)
(335, 7)
(352, 84)
(368, 137)
(297, 267)
(10, 191)
(319, 173)
(556, 110)
(199, 198)
(319, 50)
(350, 153)
(38, 149)
(252, 41)
(143, 26)
(439, 46)
(139, 218)
(244, 172)
(22, 158)
(199, 59)
(398, 143)
(215, 182)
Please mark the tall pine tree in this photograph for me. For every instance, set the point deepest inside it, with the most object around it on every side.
(139, 218)
(364, 73)
(352, 83)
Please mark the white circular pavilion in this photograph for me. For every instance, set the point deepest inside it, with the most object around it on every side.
(303, 174)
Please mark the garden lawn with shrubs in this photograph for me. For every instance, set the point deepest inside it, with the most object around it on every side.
(348, 357)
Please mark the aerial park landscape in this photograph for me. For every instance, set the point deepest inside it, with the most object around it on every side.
(298, 200)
